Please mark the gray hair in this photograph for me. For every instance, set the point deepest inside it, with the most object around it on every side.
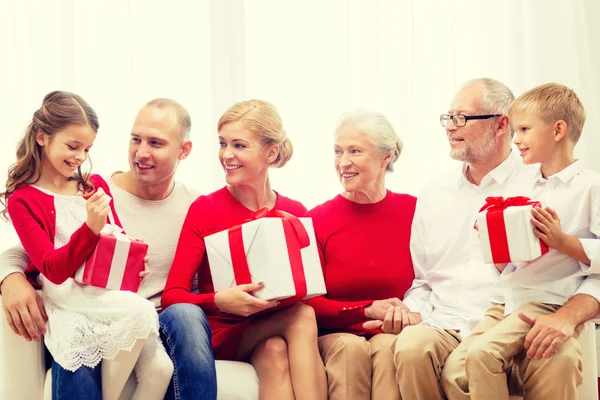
(496, 98)
(183, 116)
(377, 127)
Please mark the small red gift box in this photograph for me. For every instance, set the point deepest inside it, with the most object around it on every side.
(506, 230)
(116, 262)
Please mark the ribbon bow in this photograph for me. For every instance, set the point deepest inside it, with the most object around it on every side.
(499, 203)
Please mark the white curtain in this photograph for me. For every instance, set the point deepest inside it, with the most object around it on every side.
(313, 59)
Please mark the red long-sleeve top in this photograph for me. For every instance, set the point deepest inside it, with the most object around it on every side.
(33, 215)
(365, 255)
(210, 214)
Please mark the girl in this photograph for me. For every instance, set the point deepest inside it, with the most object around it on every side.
(59, 229)
(252, 140)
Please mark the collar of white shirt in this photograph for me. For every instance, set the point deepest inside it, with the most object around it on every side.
(497, 175)
(563, 176)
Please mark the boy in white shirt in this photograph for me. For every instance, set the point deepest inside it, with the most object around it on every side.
(548, 121)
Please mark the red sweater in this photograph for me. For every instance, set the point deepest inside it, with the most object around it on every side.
(365, 255)
(33, 215)
(209, 214)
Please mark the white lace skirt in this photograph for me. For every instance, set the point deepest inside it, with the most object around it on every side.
(87, 324)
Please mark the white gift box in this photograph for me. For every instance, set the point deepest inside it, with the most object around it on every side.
(266, 249)
(506, 235)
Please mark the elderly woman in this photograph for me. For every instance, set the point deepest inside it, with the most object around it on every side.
(363, 235)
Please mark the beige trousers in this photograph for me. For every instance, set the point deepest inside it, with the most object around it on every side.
(359, 369)
(491, 362)
(419, 355)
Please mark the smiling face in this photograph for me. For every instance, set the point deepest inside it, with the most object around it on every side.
(473, 142)
(244, 158)
(65, 151)
(534, 137)
(359, 164)
(156, 147)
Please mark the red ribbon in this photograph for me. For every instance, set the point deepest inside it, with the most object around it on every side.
(296, 238)
(494, 217)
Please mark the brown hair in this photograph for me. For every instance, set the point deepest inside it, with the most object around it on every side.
(58, 111)
(553, 102)
(261, 118)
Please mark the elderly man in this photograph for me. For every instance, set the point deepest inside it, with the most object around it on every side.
(452, 285)
(151, 206)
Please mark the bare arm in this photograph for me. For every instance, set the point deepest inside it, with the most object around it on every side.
(549, 332)
(22, 305)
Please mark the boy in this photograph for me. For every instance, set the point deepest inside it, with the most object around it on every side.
(548, 121)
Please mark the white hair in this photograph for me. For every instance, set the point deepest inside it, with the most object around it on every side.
(496, 97)
(378, 128)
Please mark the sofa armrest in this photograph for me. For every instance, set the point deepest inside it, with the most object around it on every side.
(22, 364)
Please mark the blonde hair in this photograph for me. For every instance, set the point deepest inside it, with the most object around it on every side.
(261, 118)
(553, 102)
(378, 128)
(58, 111)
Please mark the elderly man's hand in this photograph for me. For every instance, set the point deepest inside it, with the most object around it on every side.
(398, 318)
(23, 307)
(379, 308)
(547, 334)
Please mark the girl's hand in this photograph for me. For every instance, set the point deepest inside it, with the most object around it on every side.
(97, 209)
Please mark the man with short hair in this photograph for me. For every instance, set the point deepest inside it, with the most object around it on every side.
(452, 285)
(152, 206)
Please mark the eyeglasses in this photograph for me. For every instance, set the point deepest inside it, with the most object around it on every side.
(460, 120)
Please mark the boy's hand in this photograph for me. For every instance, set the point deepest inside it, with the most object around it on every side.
(547, 227)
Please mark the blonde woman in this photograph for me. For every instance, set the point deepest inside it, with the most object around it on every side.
(252, 140)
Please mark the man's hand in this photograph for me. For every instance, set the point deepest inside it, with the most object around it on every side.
(397, 318)
(23, 307)
(379, 308)
(144, 274)
(547, 334)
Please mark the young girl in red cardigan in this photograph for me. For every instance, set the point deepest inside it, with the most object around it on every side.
(281, 344)
(59, 229)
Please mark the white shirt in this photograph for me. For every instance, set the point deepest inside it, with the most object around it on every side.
(452, 283)
(574, 193)
(157, 222)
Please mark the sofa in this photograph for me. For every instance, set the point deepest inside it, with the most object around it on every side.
(23, 375)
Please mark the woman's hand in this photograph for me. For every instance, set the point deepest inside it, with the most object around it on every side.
(238, 301)
(395, 320)
(379, 308)
(97, 210)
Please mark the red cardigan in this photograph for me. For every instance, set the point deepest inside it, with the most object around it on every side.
(33, 215)
(365, 255)
(209, 214)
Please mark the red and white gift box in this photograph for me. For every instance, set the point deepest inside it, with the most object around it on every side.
(115, 263)
(281, 252)
(506, 232)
